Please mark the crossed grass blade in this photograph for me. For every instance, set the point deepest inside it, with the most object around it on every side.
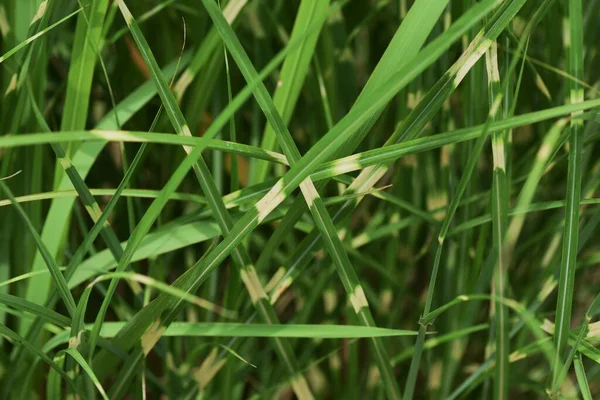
(417, 25)
(57, 276)
(241, 258)
(347, 274)
(56, 222)
(409, 128)
(253, 217)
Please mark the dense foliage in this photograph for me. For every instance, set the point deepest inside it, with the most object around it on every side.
(299, 198)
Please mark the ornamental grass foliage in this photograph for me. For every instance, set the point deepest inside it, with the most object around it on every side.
(247, 199)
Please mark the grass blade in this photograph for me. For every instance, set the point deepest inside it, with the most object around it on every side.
(6, 332)
(571, 233)
(584, 387)
(88, 371)
(39, 34)
(293, 72)
(499, 223)
(57, 276)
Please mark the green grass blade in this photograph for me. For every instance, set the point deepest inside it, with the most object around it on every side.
(499, 223)
(88, 371)
(208, 47)
(36, 309)
(574, 49)
(293, 73)
(82, 65)
(584, 387)
(57, 276)
(6, 332)
(39, 34)
(57, 218)
(231, 329)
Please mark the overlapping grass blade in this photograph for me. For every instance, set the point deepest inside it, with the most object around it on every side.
(386, 183)
(316, 206)
(87, 369)
(462, 185)
(43, 312)
(417, 25)
(293, 72)
(57, 276)
(39, 34)
(331, 141)
(59, 212)
(371, 175)
(241, 258)
(155, 207)
(328, 143)
(33, 349)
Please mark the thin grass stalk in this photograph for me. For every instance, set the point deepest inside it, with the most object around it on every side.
(39, 34)
(235, 179)
(499, 223)
(583, 333)
(573, 41)
(584, 387)
(234, 287)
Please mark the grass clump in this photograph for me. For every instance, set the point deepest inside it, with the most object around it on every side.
(308, 198)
